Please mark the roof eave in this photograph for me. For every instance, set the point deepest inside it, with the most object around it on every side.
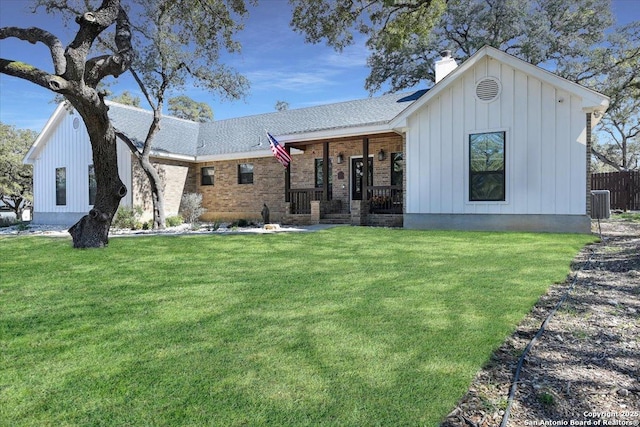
(353, 131)
(590, 98)
(40, 142)
(255, 154)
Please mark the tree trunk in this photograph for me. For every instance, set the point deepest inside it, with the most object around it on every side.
(157, 193)
(92, 231)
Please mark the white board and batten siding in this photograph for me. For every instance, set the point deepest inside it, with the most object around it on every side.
(545, 146)
(67, 146)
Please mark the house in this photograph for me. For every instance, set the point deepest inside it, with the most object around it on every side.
(495, 144)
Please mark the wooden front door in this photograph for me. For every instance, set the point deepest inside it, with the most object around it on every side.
(357, 174)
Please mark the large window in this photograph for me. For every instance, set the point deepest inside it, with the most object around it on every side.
(206, 175)
(92, 185)
(245, 173)
(397, 168)
(487, 166)
(319, 178)
(61, 186)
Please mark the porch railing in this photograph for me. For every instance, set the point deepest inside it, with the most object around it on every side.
(301, 198)
(385, 199)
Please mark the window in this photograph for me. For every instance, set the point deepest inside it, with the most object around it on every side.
(245, 173)
(397, 168)
(319, 180)
(92, 185)
(487, 166)
(61, 186)
(206, 175)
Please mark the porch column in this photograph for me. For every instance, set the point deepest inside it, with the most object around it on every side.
(287, 177)
(365, 168)
(325, 171)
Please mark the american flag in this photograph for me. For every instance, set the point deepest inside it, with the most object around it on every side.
(279, 151)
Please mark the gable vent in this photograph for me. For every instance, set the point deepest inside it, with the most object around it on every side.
(488, 89)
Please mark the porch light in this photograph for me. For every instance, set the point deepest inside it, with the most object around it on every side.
(339, 158)
(382, 155)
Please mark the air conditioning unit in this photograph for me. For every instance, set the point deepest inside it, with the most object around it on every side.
(600, 204)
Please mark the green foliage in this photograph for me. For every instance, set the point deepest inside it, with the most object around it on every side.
(16, 178)
(614, 69)
(186, 108)
(240, 223)
(628, 216)
(180, 43)
(281, 105)
(573, 38)
(127, 98)
(387, 20)
(6, 222)
(406, 39)
(238, 330)
(128, 218)
(213, 226)
(175, 220)
(546, 399)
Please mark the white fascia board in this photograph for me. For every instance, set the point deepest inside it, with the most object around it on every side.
(335, 133)
(171, 156)
(44, 135)
(590, 98)
(241, 155)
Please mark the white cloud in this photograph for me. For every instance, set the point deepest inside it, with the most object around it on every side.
(283, 79)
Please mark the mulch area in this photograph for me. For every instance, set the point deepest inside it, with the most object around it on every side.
(585, 368)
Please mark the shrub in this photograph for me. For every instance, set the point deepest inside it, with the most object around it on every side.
(174, 221)
(128, 217)
(546, 399)
(6, 221)
(214, 226)
(192, 207)
(23, 226)
(242, 223)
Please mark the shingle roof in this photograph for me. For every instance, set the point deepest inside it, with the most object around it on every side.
(176, 136)
(245, 134)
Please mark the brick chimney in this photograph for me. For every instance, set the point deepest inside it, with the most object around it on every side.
(444, 65)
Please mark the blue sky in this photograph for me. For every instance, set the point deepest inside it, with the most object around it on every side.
(277, 61)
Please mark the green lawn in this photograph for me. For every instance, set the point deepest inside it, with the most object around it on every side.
(351, 326)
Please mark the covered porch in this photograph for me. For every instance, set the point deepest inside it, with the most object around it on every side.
(346, 197)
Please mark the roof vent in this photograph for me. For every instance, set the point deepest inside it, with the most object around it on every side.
(488, 89)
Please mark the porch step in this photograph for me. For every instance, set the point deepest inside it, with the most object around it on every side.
(336, 219)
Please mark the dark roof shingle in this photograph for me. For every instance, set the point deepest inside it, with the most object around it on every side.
(245, 134)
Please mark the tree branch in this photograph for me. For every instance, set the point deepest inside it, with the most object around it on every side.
(34, 75)
(98, 68)
(34, 35)
(605, 159)
(91, 25)
(132, 146)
